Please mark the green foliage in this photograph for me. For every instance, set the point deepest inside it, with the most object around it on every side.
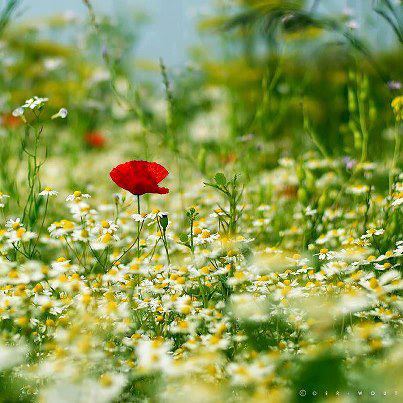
(319, 375)
(13, 389)
(232, 192)
(7, 12)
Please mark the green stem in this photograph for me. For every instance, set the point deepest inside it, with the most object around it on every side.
(201, 286)
(41, 227)
(192, 248)
(129, 248)
(138, 227)
(164, 239)
(395, 158)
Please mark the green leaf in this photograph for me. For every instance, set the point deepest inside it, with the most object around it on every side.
(220, 179)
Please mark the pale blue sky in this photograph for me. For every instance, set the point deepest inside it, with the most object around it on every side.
(170, 33)
(172, 30)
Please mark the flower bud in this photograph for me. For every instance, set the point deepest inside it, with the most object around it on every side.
(164, 221)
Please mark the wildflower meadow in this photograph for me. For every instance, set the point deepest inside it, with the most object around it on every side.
(226, 229)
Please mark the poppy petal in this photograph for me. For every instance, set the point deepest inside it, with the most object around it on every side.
(157, 171)
(162, 191)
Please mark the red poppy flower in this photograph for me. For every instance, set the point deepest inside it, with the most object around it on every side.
(140, 177)
(95, 139)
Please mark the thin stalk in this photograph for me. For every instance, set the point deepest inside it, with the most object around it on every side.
(41, 227)
(192, 247)
(75, 253)
(201, 286)
(164, 240)
(365, 137)
(129, 248)
(138, 227)
(395, 158)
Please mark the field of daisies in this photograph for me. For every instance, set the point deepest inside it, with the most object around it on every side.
(225, 231)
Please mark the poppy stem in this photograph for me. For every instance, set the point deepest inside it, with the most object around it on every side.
(138, 227)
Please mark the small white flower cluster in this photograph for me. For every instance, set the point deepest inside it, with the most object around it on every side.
(32, 103)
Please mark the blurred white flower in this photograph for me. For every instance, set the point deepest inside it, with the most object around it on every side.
(3, 198)
(61, 114)
(153, 355)
(11, 356)
(18, 112)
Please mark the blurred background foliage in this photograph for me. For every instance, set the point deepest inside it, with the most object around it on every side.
(280, 78)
